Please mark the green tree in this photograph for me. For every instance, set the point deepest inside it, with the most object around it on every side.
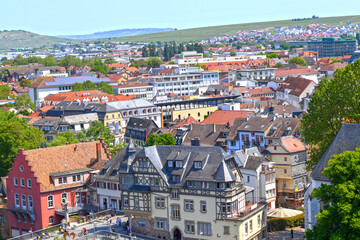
(25, 83)
(99, 69)
(181, 48)
(279, 65)
(298, 61)
(272, 55)
(154, 62)
(4, 75)
(163, 139)
(98, 130)
(333, 101)
(70, 60)
(109, 60)
(15, 133)
(117, 148)
(144, 51)
(233, 53)
(340, 217)
(64, 138)
(19, 60)
(4, 91)
(24, 101)
(50, 61)
(285, 45)
(106, 88)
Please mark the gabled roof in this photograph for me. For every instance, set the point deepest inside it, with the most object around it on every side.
(52, 160)
(225, 116)
(281, 72)
(297, 85)
(256, 124)
(283, 127)
(261, 91)
(187, 121)
(205, 133)
(347, 139)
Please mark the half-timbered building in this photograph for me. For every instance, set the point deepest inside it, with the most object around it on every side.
(187, 192)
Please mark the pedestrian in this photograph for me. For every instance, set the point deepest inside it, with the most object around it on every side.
(113, 229)
(292, 233)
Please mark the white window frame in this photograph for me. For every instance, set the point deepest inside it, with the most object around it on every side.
(23, 202)
(29, 185)
(22, 182)
(16, 181)
(30, 202)
(17, 200)
(51, 220)
(50, 201)
(64, 198)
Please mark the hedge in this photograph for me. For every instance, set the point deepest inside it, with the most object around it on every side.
(279, 224)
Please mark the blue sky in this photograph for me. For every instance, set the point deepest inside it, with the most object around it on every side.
(55, 17)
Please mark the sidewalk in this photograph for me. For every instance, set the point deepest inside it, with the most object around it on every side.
(286, 235)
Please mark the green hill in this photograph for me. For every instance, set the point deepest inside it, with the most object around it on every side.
(197, 34)
(24, 39)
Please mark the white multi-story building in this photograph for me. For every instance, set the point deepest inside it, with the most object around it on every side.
(140, 90)
(139, 108)
(258, 173)
(184, 84)
(251, 77)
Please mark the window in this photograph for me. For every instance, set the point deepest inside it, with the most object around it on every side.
(74, 178)
(1, 219)
(16, 181)
(251, 226)
(226, 230)
(203, 206)
(175, 194)
(60, 180)
(160, 202)
(178, 164)
(63, 197)
(285, 159)
(22, 182)
(248, 178)
(51, 220)
(285, 171)
(204, 228)
(30, 201)
(189, 205)
(275, 148)
(29, 183)
(64, 180)
(50, 200)
(17, 200)
(190, 227)
(126, 201)
(175, 210)
(284, 184)
(259, 220)
(170, 164)
(197, 165)
(161, 224)
(23, 201)
(176, 178)
(136, 202)
(246, 228)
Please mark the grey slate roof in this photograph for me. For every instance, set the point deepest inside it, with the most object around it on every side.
(140, 125)
(241, 156)
(67, 108)
(347, 139)
(130, 104)
(253, 162)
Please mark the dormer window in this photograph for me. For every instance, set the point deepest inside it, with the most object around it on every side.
(176, 178)
(170, 164)
(178, 164)
(197, 165)
(143, 164)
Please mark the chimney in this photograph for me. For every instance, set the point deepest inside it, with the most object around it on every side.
(98, 151)
(195, 142)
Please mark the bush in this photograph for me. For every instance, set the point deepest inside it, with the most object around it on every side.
(280, 224)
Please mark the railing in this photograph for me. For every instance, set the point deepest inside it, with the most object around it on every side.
(52, 230)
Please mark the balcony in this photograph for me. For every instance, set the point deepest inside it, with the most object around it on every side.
(21, 213)
(77, 209)
(246, 143)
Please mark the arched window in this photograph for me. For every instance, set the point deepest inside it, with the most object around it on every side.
(64, 197)
(50, 201)
(125, 113)
(17, 200)
(130, 113)
(51, 220)
(23, 201)
(144, 111)
(149, 110)
(154, 109)
(30, 202)
(136, 112)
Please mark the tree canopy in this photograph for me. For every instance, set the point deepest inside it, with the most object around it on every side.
(297, 60)
(272, 55)
(15, 133)
(340, 217)
(4, 91)
(24, 101)
(88, 85)
(163, 139)
(334, 101)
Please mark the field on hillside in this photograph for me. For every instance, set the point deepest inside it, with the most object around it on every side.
(197, 34)
(23, 39)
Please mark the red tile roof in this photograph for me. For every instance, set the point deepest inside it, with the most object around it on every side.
(261, 91)
(224, 116)
(46, 161)
(292, 144)
(297, 85)
(187, 121)
(280, 72)
(81, 95)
